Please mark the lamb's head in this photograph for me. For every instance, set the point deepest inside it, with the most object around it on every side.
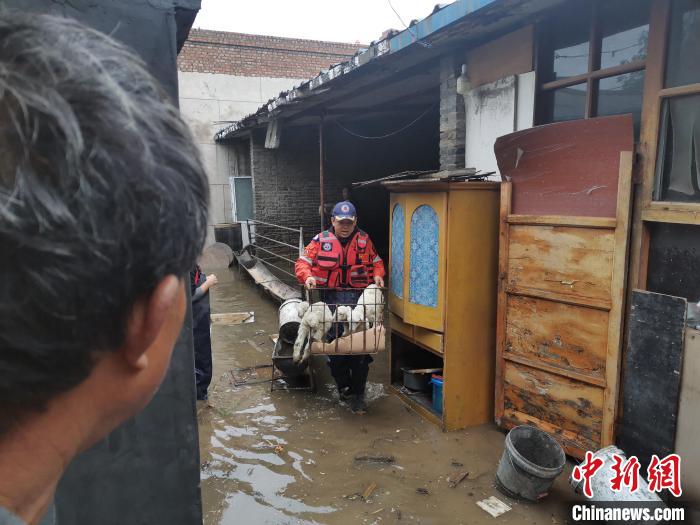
(357, 318)
(302, 308)
(344, 312)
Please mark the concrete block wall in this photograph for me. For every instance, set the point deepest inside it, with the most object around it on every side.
(207, 99)
(452, 117)
(224, 77)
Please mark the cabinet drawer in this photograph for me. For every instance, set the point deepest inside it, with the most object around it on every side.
(399, 326)
(428, 338)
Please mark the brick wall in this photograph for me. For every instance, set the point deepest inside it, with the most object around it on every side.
(452, 117)
(241, 54)
(285, 181)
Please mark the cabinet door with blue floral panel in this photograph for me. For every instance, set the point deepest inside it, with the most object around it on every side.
(397, 257)
(425, 219)
(423, 279)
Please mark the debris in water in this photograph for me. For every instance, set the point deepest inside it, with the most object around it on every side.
(233, 318)
(455, 480)
(457, 464)
(368, 491)
(493, 506)
(376, 511)
(398, 514)
(353, 497)
(422, 490)
(279, 449)
(259, 332)
(375, 459)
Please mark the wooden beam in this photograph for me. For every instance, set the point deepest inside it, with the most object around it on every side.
(651, 106)
(554, 220)
(541, 365)
(679, 214)
(501, 309)
(680, 91)
(595, 75)
(617, 297)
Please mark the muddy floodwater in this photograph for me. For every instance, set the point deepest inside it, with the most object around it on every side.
(288, 457)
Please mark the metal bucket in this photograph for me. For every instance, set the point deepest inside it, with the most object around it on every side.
(289, 320)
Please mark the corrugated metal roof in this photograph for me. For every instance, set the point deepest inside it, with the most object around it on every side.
(477, 16)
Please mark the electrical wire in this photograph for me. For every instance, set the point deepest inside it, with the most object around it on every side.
(387, 135)
(415, 37)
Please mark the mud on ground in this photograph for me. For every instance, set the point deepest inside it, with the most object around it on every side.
(288, 457)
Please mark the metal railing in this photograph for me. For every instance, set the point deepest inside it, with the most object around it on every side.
(277, 247)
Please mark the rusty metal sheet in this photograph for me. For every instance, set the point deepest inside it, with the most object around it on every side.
(567, 168)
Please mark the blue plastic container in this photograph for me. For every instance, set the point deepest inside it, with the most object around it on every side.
(437, 381)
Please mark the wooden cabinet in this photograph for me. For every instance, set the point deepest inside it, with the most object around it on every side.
(442, 293)
(418, 291)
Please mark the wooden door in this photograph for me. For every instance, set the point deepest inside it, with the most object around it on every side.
(562, 263)
(425, 250)
(397, 254)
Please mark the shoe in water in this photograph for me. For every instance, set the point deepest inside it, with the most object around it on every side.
(344, 393)
(358, 405)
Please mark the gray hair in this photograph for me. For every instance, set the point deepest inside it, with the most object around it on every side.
(102, 194)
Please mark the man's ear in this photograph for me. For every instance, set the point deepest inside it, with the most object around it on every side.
(146, 320)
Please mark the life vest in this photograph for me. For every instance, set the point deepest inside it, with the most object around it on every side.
(337, 267)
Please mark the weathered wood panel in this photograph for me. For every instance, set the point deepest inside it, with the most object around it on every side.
(567, 168)
(571, 261)
(564, 237)
(570, 405)
(508, 55)
(568, 337)
(653, 361)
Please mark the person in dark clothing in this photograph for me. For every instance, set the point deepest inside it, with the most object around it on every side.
(103, 211)
(343, 261)
(201, 334)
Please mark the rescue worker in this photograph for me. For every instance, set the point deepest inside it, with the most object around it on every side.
(343, 261)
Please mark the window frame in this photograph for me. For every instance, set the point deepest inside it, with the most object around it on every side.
(647, 210)
(593, 73)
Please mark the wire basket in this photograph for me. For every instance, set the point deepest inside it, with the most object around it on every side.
(355, 318)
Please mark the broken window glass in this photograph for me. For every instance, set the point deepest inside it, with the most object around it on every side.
(677, 170)
(620, 95)
(683, 55)
(624, 32)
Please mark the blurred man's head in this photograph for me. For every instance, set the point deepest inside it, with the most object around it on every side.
(344, 219)
(103, 207)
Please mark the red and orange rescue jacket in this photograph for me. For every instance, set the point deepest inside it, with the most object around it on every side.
(334, 266)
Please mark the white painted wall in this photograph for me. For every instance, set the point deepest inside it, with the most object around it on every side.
(207, 99)
(496, 109)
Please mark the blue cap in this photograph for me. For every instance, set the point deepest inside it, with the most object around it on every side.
(344, 210)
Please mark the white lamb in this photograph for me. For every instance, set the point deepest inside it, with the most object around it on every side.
(316, 320)
(371, 305)
(353, 318)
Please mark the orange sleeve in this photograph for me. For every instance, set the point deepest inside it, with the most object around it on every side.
(302, 268)
(376, 260)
